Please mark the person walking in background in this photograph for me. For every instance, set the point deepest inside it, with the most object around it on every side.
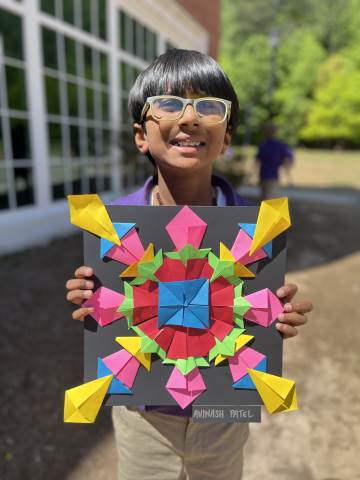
(272, 154)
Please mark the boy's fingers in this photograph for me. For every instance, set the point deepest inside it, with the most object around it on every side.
(300, 307)
(78, 296)
(287, 292)
(287, 331)
(294, 319)
(81, 313)
(81, 283)
(83, 271)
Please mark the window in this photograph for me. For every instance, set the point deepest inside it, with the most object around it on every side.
(16, 167)
(136, 38)
(77, 102)
(88, 15)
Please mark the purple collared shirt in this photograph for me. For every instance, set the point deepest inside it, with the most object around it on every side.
(143, 197)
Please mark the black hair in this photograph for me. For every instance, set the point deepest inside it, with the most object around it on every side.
(178, 72)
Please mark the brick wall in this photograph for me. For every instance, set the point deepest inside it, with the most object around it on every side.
(207, 13)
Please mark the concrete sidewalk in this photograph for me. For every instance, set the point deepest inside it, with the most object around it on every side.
(330, 196)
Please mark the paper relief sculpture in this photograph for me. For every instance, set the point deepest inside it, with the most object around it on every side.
(184, 309)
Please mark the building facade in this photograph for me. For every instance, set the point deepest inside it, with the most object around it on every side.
(66, 68)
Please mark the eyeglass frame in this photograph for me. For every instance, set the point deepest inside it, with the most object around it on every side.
(185, 101)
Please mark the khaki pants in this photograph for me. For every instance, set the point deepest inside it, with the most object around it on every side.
(156, 446)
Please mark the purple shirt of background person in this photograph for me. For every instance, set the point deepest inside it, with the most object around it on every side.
(271, 155)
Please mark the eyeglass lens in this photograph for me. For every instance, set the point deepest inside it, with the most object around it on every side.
(171, 108)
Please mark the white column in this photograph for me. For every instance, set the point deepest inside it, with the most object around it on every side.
(36, 101)
(116, 153)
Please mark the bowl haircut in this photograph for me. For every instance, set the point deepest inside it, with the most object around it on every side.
(181, 72)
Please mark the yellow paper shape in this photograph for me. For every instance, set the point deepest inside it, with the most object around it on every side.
(133, 346)
(239, 343)
(277, 393)
(225, 253)
(148, 254)
(273, 219)
(241, 271)
(82, 403)
(131, 271)
(89, 213)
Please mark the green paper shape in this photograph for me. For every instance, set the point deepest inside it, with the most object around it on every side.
(188, 252)
(239, 322)
(187, 365)
(213, 352)
(241, 306)
(236, 281)
(127, 307)
(227, 345)
(201, 362)
(147, 269)
(148, 345)
(222, 268)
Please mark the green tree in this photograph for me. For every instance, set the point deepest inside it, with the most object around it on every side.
(308, 32)
(250, 72)
(334, 117)
(298, 59)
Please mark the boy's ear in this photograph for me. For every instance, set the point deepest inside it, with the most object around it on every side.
(140, 138)
(227, 142)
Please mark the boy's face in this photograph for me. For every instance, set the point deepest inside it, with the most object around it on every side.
(188, 144)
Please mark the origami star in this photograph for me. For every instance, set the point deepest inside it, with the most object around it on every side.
(226, 347)
(277, 393)
(184, 303)
(265, 307)
(226, 266)
(273, 219)
(88, 212)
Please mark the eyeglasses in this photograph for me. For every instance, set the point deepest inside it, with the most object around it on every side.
(169, 107)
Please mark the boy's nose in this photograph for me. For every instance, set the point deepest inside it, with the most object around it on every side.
(189, 116)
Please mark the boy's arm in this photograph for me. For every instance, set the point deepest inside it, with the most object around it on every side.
(295, 312)
(79, 290)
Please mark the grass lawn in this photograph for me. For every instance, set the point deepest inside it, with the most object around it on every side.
(312, 168)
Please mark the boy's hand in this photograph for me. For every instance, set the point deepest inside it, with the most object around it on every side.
(79, 290)
(294, 314)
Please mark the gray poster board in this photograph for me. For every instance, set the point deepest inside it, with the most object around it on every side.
(222, 226)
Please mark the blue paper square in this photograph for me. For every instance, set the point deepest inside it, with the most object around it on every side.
(184, 303)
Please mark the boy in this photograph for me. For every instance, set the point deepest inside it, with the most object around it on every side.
(185, 111)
